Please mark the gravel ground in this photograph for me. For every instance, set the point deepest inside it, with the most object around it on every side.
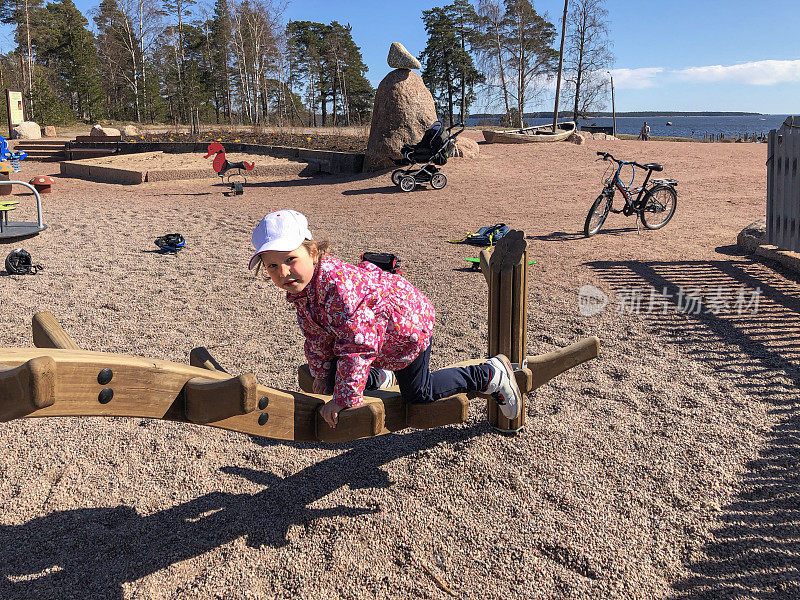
(667, 468)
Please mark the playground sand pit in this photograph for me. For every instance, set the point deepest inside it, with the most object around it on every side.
(667, 468)
(163, 166)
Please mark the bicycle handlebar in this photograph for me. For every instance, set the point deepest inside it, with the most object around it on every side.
(607, 156)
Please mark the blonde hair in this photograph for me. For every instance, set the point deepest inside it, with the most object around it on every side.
(321, 247)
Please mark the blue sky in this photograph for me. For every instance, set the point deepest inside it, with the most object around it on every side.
(669, 55)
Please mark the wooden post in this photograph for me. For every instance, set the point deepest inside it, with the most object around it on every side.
(508, 313)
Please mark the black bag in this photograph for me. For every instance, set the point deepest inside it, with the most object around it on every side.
(170, 243)
(385, 260)
(19, 262)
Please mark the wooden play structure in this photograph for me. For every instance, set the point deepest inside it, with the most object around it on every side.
(58, 379)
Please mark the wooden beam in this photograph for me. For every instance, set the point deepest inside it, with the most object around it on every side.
(209, 400)
(48, 333)
(27, 387)
(201, 358)
(545, 367)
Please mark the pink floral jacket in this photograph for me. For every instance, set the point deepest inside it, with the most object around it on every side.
(363, 316)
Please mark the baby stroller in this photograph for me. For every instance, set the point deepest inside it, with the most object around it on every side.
(434, 148)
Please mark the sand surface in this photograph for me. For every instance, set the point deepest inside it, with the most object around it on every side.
(665, 469)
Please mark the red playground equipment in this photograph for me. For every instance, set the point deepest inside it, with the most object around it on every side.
(222, 165)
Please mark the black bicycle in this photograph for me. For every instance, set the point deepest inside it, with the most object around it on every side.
(654, 205)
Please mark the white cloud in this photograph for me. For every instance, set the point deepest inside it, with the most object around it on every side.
(761, 72)
(635, 79)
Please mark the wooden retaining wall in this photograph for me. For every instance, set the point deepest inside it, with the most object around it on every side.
(783, 186)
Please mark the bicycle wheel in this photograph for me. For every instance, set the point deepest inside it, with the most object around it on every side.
(658, 206)
(597, 215)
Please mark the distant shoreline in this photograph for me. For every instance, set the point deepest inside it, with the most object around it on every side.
(563, 115)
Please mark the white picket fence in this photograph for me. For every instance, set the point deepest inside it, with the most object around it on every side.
(783, 186)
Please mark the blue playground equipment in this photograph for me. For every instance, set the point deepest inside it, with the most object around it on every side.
(9, 163)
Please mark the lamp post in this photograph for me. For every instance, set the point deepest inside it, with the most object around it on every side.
(613, 109)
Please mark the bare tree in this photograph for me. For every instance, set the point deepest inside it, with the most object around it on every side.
(489, 48)
(588, 55)
(528, 42)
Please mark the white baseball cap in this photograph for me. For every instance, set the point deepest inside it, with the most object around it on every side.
(282, 230)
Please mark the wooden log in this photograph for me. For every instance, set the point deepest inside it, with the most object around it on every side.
(48, 333)
(365, 420)
(446, 411)
(546, 366)
(209, 400)
(484, 258)
(508, 251)
(508, 263)
(27, 387)
(201, 358)
(399, 415)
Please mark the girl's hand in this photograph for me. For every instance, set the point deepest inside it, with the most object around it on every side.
(330, 412)
(320, 385)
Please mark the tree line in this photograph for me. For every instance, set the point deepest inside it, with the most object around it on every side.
(505, 49)
(176, 61)
(239, 61)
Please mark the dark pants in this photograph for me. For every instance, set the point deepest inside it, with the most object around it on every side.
(418, 385)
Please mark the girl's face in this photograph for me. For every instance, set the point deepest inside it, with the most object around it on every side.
(291, 271)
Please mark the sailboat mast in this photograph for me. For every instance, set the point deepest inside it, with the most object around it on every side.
(560, 65)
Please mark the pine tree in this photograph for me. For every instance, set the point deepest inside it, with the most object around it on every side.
(67, 49)
(26, 16)
(448, 68)
(220, 51)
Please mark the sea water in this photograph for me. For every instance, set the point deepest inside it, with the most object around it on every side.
(697, 127)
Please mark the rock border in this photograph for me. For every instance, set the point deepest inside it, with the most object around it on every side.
(751, 240)
(328, 161)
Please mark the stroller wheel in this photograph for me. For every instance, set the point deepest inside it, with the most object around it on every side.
(438, 181)
(397, 174)
(408, 183)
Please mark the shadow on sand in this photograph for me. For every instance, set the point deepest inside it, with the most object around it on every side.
(90, 553)
(753, 551)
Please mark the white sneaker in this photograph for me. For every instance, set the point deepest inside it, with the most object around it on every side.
(386, 379)
(503, 387)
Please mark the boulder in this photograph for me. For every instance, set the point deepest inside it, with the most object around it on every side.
(99, 131)
(403, 110)
(27, 130)
(49, 131)
(752, 236)
(577, 138)
(130, 130)
(466, 148)
(400, 58)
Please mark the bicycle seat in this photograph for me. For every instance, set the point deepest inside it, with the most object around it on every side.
(653, 166)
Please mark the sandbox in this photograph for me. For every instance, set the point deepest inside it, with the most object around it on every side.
(164, 166)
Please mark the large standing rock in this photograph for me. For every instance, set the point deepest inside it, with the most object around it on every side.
(49, 131)
(99, 131)
(466, 147)
(27, 130)
(400, 58)
(403, 110)
(752, 236)
(577, 138)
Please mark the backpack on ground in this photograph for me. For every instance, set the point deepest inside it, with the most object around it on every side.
(385, 260)
(485, 236)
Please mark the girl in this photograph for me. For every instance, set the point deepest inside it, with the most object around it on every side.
(355, 318)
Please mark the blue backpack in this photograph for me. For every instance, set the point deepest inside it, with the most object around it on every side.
(485, 236)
